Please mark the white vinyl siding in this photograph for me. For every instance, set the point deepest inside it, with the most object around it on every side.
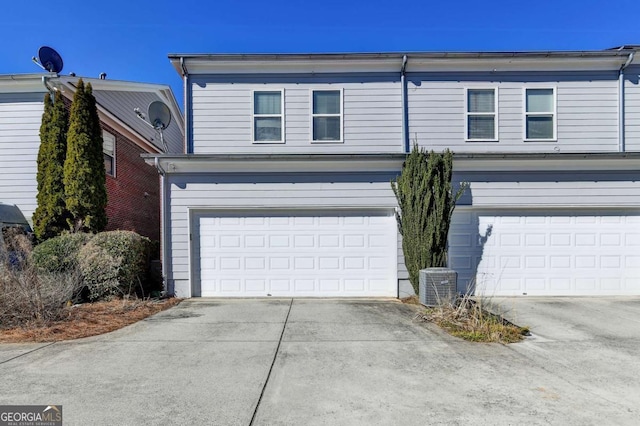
(326, 116)
(586, 118)
(109, 153)
(371, 110)
(268, 116)
(20, 119)
(632, 108)
(540, 114)
(481, 114)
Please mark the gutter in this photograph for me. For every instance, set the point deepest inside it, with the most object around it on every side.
(45, 82)
(396, 55)
(405, 105)
(186, 92)
(621, 103)
(164, 226)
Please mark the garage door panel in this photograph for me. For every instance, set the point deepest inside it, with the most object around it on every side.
(303, 254)
(550, 253)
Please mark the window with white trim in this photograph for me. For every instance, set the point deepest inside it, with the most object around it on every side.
(109, 153)
(268, 116)
(540, 114)
(326, 116)
(481, 117)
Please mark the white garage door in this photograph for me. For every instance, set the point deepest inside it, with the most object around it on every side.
(337, 253)
(559, 253)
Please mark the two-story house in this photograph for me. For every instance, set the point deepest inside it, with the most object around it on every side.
(285, 186)
(133, 189)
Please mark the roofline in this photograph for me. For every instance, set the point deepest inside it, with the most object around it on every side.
(396, 156)
(277, 63)
(34, 82)
(164, 91)
(400, 55)
(390, 162)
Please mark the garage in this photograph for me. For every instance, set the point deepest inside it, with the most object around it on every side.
(319, 253)
(546, 253)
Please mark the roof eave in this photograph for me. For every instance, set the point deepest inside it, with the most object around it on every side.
(391, 62)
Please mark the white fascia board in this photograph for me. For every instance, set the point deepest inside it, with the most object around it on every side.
(288, 66)
(417, 62)
(22, 83)
(205, 164)
(507, 64)
(510, 164)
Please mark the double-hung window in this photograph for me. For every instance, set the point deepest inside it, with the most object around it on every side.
(109, 153)
(268, 116)
(540, 114)
(326, 116)
(481, 116)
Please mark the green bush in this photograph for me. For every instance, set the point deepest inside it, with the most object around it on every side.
(59, 254)
(115, 263)
(426, 199)
(100, 272)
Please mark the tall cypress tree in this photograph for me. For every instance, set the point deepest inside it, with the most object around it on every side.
(426, 200)
(50, 217)
(84, 175)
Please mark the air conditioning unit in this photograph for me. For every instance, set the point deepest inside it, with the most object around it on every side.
(437, 285)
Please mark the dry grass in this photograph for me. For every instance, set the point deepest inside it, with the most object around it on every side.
(411, 300)
(472, 320)
(89, 319)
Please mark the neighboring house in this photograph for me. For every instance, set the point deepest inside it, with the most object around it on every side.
(132, 187)
(284, 190)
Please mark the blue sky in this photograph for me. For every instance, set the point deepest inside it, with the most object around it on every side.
(130, 40)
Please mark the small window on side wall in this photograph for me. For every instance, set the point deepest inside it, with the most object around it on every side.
(540, 115)
(326, 116)
(268, 117)
(481, 117)
(109, 153)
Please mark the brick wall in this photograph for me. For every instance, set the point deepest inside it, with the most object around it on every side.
(134, 193)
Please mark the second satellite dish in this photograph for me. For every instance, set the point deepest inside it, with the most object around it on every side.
(49, 59)
(160, 117)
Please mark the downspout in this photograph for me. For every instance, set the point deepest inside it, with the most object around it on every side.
(187, 106)
(45, 82)
(405, 106)
(164, 229)
(621, 103)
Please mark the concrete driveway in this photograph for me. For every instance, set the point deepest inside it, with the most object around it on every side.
(317, 362)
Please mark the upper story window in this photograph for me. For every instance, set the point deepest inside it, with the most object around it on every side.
(540, 114)
(481, 116)
(326, 116)
(109, 153)
(268, 116)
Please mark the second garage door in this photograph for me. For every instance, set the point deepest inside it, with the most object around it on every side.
(302, 253)
(552, 253)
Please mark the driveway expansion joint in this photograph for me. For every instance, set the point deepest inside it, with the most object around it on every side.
(27, 353)
(273, 362)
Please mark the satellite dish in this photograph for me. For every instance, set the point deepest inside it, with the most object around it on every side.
(159, 115)
(49, 59)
